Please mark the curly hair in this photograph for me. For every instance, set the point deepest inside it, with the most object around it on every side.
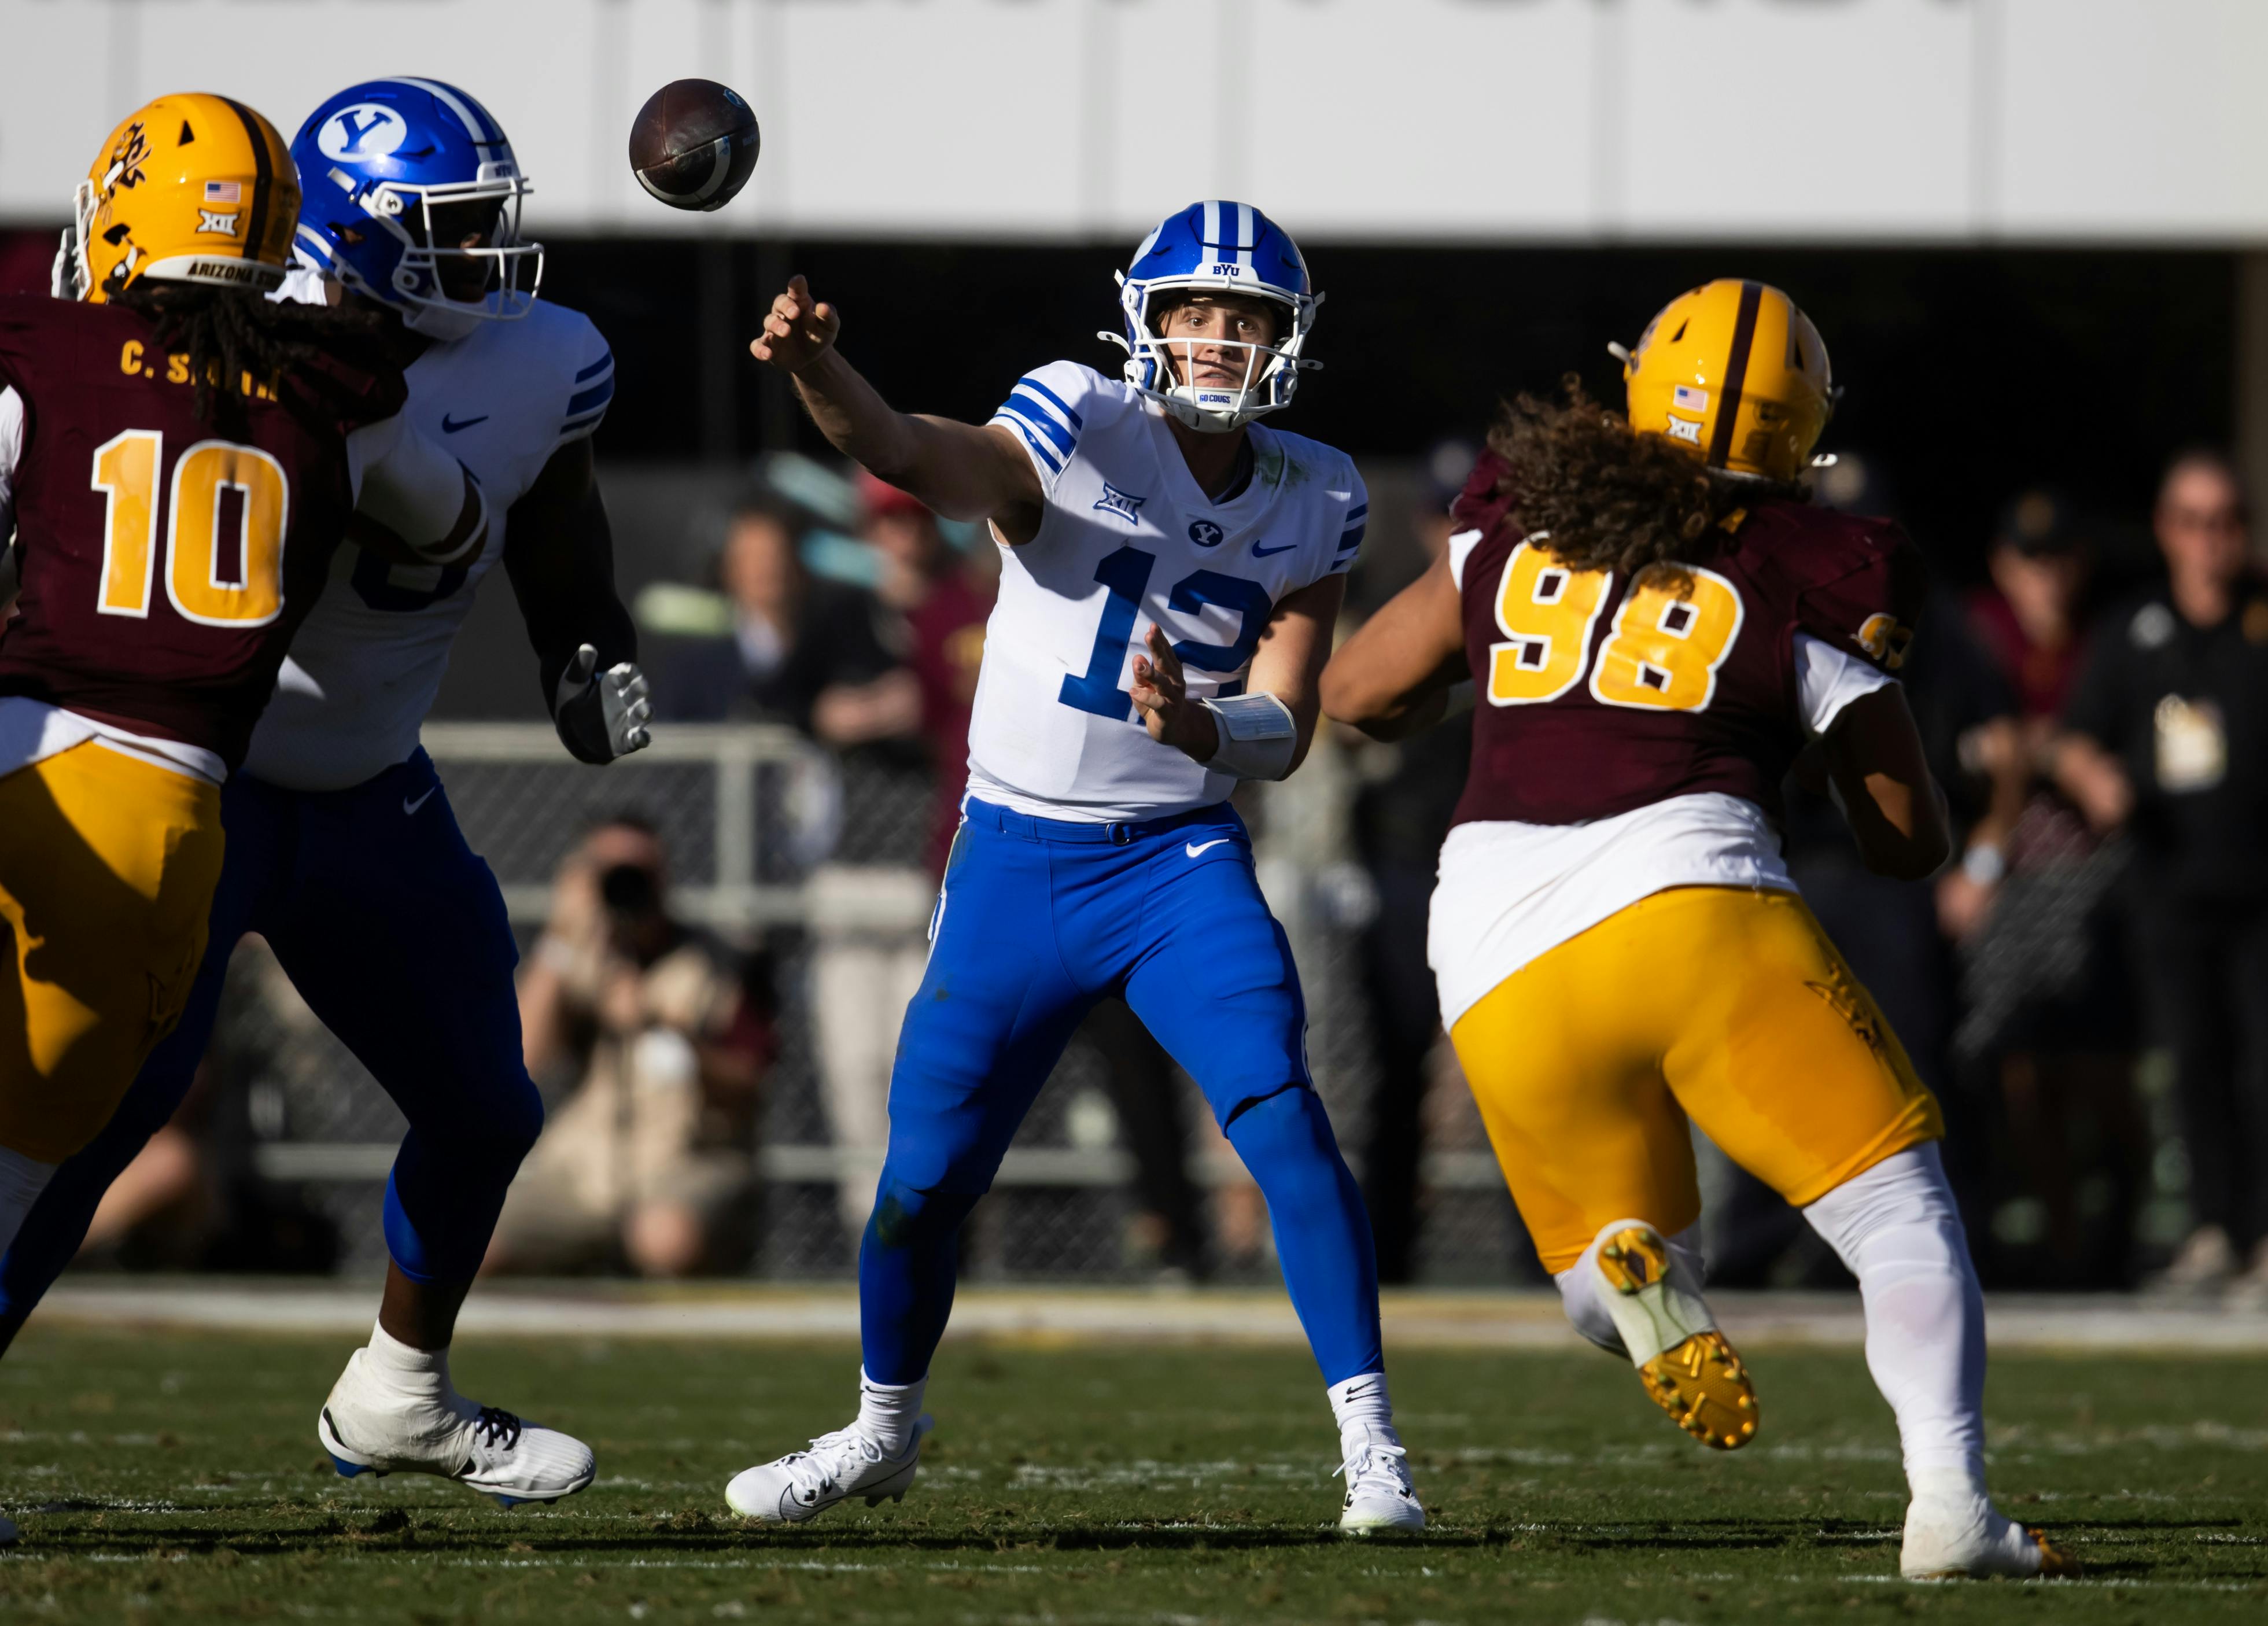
(236, 335)
(1612, 498)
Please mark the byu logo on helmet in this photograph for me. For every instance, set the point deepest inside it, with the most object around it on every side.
(1209, 248)
(1206, 534)
(412, 198)
(365, 130)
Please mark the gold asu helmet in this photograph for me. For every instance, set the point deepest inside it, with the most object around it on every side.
(192, 188)
(1736, 373)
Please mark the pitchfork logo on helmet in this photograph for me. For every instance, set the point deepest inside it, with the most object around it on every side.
(179, 173)
(398, 173)
(1217, 247)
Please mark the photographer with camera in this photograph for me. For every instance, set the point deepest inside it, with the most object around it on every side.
(649, 1040)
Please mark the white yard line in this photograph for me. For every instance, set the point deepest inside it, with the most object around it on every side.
(1501, 1320)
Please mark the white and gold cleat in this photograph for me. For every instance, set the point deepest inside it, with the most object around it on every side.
(1689, 1370)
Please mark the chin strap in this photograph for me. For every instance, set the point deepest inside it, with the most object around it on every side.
(1258, 735)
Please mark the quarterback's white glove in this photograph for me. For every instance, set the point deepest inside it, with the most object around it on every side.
(601, 715)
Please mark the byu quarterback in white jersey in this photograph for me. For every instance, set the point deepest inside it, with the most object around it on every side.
(343, 852)
(1127, 540)
(1171, 572)
(365, 665)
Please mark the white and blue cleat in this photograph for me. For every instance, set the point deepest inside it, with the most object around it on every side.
(804, 1484)
(1380, 1496)
(367, 1429)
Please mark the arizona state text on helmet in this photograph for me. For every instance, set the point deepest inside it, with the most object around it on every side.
(191, 189)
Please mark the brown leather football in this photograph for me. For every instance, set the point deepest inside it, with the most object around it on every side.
(694, 143)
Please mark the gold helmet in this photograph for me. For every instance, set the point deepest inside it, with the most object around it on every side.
(1734, 372)
(192, 188)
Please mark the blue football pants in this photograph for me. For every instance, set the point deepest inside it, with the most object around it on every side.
(394, 932)
(1037, 919)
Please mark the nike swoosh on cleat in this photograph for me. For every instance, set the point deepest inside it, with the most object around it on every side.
(409, 806)
(1196, 851)
(450, 427)
(1258, 552)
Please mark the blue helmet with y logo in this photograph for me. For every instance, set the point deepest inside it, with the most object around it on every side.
(1217, 247)
(394, 175)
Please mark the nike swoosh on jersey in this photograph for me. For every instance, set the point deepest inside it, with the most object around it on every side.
(1258, 552)
(409, 806)
(1196, 851)
(450, 427)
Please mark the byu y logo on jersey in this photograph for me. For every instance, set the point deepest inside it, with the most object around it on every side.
(363, 131)
(1206, 534)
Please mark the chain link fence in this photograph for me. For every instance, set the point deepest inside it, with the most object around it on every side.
(745, 813)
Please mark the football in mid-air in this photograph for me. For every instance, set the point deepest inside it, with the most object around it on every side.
(694, 143)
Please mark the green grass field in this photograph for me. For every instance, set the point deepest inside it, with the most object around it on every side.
(161, 1475)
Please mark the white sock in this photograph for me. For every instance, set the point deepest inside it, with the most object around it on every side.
(413, 1374)
(1897, 1228)
(888, 1411)
(21, 1181)
(1360, 1402)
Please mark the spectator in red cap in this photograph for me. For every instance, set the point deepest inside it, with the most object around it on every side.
(945, 601)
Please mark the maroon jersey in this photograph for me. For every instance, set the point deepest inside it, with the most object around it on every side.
(1596, 694)
(164, 565)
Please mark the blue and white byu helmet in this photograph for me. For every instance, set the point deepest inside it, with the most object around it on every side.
(1217, 247)
(375, 161)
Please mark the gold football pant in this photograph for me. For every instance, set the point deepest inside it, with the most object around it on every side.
(1725, 1006)
(108, 866)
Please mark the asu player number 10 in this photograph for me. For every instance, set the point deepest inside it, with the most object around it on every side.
(179, 458)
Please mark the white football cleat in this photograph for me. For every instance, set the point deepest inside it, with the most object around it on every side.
(368, 1429)
(1379, 1494)
(1973, 1540)
(804, 1484)
(1689, 1369)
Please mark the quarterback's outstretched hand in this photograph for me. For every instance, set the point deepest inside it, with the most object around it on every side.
(1161, 695)
(798, 329)
(601, 715)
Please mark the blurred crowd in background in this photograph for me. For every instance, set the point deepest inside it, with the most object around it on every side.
(2086, 986)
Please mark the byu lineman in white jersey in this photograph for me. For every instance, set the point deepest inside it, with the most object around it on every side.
(343, 852)
(1170, 573)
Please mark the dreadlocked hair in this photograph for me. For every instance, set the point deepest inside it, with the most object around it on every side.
(254, 344)
(1612, 498)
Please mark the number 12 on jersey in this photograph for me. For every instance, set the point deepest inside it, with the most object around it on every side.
(1125, 572)
(1675, 626)
(251, 593)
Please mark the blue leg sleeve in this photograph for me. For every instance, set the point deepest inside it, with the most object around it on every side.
(993, 1015)
(1219, 988)
(1322, 1232)
(399, 940)
(908, 1262)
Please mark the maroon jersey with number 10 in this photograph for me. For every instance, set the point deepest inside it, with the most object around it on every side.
(164, 567)
(1596, 694)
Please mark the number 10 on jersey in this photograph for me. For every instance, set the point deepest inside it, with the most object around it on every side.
(248, 595)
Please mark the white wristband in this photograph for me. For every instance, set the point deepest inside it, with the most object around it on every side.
(1258, 736)
(1985, 863)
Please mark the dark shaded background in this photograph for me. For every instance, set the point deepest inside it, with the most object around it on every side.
(1970, 372)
